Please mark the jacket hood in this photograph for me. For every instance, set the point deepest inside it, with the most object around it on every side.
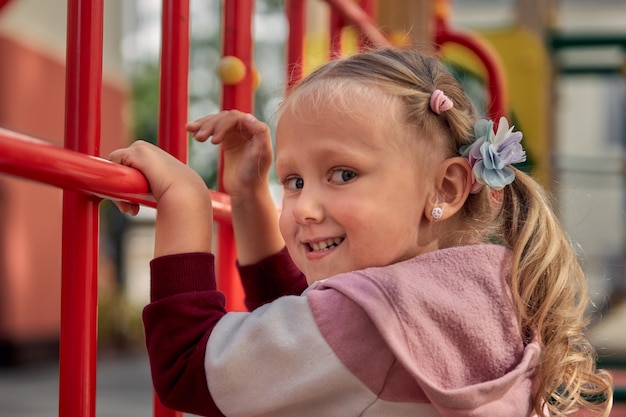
(448, 317)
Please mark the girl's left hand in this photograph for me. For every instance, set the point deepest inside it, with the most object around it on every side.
(247, 150)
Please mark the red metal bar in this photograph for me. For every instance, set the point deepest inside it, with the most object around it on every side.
(173, 99)
(236, 41)
(495, 82)
(33, 159)
(173, 87)
(30, 158)
(296, 14)
(79, 294)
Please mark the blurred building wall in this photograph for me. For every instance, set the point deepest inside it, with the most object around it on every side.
(32, 101)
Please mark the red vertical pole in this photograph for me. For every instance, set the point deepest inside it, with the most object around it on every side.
(495, 84)
(174, 76)
(79, 293)
(173, 100)
(295, 42)
(236, 41)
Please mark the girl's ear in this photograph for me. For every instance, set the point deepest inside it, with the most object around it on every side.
(453, 182)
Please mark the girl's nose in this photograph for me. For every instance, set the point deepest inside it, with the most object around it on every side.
(308, 207)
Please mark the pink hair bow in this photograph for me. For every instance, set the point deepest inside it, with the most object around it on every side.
(439, 102)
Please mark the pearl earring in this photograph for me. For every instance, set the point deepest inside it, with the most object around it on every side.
(437, 213)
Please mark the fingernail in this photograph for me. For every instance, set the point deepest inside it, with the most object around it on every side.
(250, 118)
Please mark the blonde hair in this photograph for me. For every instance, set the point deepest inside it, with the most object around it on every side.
(547, 283)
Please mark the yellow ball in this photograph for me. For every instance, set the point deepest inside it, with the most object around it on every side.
(231, 70)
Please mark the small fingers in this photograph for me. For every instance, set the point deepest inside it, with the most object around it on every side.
(117, 156)
(254, 125)
(217, 126)
(126, 207)
(131, 155)
(124, 157)
(203, 128)
(194, 128)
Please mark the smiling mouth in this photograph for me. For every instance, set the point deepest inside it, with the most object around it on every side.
(324, 245)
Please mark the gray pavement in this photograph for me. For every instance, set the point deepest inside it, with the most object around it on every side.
(123, 388)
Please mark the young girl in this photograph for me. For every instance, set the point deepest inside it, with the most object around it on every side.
(439, 281)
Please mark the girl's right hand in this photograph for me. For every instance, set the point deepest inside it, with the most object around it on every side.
(185, 216)
(163, 172)
(247, 149)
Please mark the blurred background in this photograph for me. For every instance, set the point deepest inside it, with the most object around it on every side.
(565, 66)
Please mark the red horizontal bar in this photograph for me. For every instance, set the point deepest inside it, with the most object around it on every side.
(33, 159)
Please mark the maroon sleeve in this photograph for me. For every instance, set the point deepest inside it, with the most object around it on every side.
(185, 307)
(271, 278)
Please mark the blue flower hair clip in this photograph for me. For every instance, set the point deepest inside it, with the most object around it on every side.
(491, 154)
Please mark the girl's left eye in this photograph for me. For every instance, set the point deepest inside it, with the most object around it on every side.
(294, 183)
(341, 176)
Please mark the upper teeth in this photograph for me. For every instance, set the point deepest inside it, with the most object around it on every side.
(326, 244)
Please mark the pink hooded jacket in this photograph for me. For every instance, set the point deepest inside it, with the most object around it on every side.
(435, 335)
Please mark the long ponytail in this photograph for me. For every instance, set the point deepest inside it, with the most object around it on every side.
(550, 294)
